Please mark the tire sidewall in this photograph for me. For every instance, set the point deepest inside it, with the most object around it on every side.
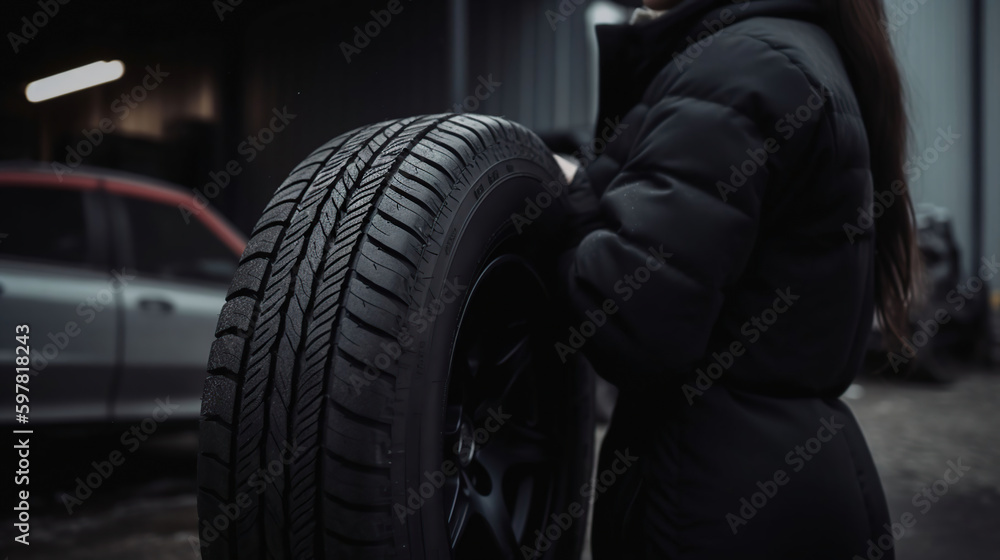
(476, 216)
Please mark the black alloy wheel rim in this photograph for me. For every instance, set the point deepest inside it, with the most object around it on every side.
(500, 428)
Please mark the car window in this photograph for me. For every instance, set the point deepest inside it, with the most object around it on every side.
(164, 245)
(43, 224)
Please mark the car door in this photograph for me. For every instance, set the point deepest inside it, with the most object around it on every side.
(54, 279)
(171, 307)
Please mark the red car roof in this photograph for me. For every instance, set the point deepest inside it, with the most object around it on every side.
(128, 185)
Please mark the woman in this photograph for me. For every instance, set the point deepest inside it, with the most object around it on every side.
(731, 274)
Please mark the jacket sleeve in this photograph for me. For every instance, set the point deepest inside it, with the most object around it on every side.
(685, 212)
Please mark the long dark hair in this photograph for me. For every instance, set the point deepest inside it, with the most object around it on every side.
(859, 27)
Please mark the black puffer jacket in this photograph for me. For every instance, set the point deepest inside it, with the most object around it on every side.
(724, 296)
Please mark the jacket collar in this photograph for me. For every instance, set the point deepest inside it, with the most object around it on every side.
(632, 55)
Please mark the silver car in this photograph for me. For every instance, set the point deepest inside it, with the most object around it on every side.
(120, 280)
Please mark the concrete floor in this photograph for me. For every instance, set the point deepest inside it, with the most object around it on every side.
(146, 508)
(914, 431)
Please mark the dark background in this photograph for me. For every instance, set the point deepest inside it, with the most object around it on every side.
(225, 77)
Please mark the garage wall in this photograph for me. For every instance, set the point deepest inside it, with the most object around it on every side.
(932, 38)
(543, 63)
(991, 194)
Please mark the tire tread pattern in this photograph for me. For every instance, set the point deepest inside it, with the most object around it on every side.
(325, 279)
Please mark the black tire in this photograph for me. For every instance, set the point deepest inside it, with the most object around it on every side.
(386, 310)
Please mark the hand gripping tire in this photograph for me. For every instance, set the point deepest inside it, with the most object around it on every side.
(384, 382)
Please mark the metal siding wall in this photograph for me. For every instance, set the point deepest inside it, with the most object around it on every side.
(991, 194)
(933, 41)
(544, 71)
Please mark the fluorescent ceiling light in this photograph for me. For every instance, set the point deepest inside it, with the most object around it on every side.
(74, 80)
(603, 12)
